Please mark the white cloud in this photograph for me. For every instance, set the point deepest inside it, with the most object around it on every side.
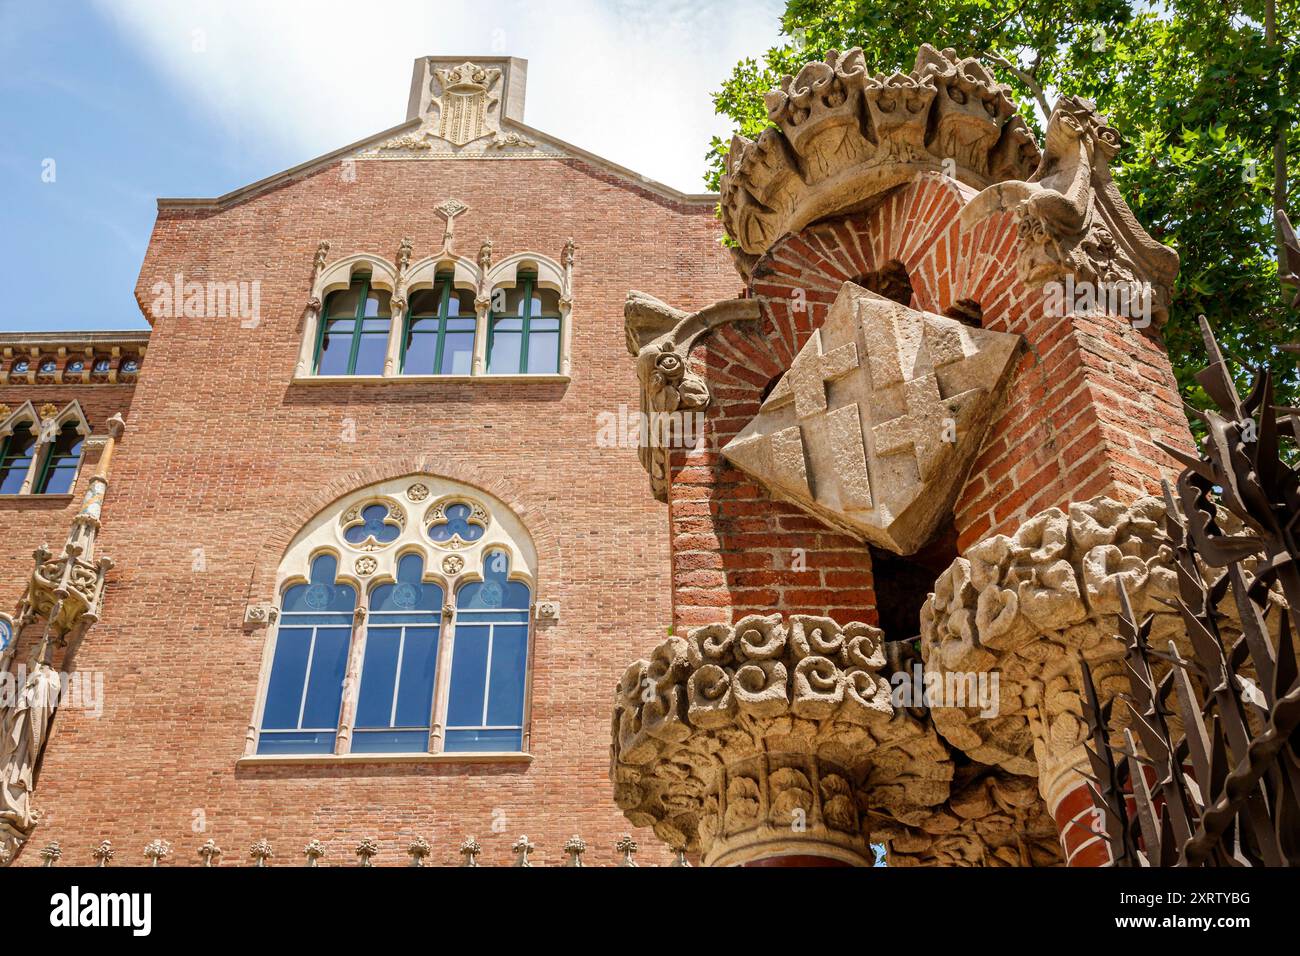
(626, 79)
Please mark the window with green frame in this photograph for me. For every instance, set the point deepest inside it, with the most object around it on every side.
(59, 469)
(524, 337)
(439, 334)
(16, 458)
(354, 326)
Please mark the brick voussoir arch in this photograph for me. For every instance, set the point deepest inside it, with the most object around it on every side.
(550, 556)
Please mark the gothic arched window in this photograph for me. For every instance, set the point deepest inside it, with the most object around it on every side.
(59, 469)
(354, 328)
(41, 452)
(305, 690)
(489, 667)
(16, 458)
(440, 330)
(524, 336)
(437, 659)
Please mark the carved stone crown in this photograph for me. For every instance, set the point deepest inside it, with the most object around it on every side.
(841, 136)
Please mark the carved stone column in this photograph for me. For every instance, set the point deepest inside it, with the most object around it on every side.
(65, 591)
(1029, 608)
(769, 740)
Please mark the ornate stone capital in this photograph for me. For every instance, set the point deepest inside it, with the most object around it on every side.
(1029, 607)
(661, 338)
(766, 738)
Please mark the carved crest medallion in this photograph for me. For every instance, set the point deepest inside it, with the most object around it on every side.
(877, 420)
(467, 102)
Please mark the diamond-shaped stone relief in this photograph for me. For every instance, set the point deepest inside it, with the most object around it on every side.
(873, 427)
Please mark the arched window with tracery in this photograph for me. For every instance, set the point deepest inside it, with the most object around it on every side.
(40, 452)
(405, 622)
(354, 330)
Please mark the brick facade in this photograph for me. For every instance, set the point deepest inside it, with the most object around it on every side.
(225, 454)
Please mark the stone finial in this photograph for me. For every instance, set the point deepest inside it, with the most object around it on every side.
(103, 854)
(418, 851)
(404, 249)
(626, 846)
(521, 849)
(314, 851)
(157, 851)
(366, 850)
(209, 852)
(260, 852)
(470, 850)
(116, 425)
(51, 854)
(322, 253)
(48, 411)
(575, 846)
(679, 857)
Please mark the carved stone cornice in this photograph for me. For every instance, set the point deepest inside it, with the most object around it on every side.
(661, 338)
(766, 738)
(842, 136)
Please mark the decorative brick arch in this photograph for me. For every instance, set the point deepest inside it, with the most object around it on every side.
(549, 553)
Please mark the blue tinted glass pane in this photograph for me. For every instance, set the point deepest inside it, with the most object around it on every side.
(17, 459)
(390, 742)
(492, 595)
(376, 304)
(371, 352)
(543, 352)
(335, 348)
(421, 347)
(373, 525)
(415, 695)
(284, 691)
(344, 302)
(378, 676)
(299, 742)
(468, 674)
(504, 359)
(456, 522)
(325, 681)
(484, 741)
(457, 353)
(322, 596)
(506, 684)
(58, 480)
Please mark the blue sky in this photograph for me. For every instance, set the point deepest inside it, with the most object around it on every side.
(136, 99)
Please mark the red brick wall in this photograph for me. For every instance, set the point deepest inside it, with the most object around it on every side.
(223, 453)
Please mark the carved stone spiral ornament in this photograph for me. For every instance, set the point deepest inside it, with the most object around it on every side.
(769, 737)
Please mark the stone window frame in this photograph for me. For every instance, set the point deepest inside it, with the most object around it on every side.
(467, 276)
(451, 569)
(46, 424)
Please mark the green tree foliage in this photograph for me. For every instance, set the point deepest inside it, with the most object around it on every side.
(1202, 91)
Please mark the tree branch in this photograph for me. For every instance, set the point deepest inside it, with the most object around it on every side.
(1024, 77)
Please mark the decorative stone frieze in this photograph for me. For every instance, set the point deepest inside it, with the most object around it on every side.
(873, 428)
(766, 738)
(661, 338)
(1029, 607)
(842, 136)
